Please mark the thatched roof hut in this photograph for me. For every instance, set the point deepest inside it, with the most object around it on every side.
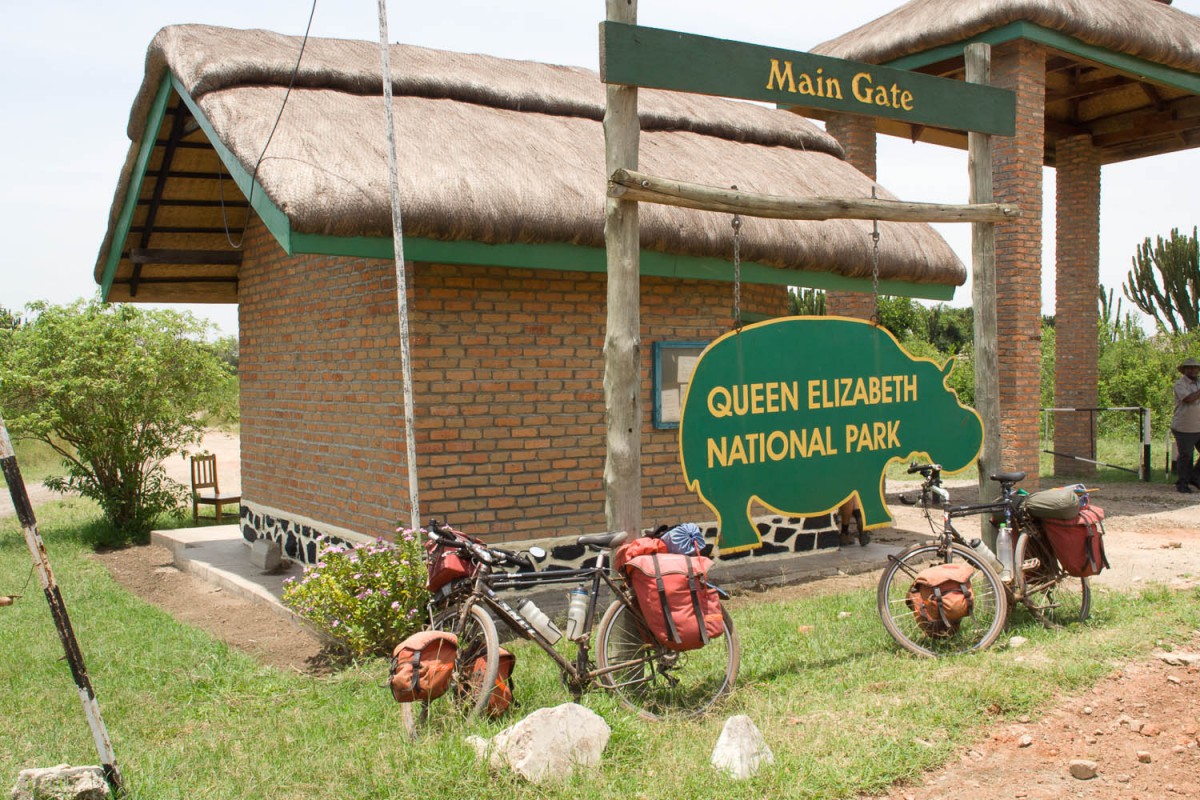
(1127, 72)
(491, 151)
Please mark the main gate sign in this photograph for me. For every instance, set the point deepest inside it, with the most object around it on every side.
(638, 56)
(802, 413)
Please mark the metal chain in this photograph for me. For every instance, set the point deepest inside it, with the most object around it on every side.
(736, 222)
(875, 264)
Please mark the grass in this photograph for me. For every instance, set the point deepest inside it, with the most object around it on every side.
(37, 460)
(842, 707)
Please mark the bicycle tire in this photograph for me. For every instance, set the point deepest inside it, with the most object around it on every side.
(667, 683)
(1053, 597)
(470, 689)
(975, 632)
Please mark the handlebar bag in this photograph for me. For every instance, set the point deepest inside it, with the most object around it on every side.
(940, 597)
(1054, 504)
(681, 609)
(422, 666)
(444, 564)
(1079, 543)
(501, 698)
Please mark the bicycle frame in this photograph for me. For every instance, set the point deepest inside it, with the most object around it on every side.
(485, 590)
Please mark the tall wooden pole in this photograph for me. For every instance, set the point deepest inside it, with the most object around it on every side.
(410, 441)
(622, 339)
(58, 610)
(983, 291)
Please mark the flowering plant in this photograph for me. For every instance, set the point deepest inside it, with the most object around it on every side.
(367, 596)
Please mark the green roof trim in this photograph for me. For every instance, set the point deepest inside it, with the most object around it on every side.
(1169, 76)
(125, 220)
(276, 221)
(578, 258)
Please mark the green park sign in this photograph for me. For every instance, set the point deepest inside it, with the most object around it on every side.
(638, 56)
(801, 414)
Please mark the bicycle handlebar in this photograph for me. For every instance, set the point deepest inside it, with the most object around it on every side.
(475, 549)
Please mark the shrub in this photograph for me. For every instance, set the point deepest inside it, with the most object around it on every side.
(368, 597)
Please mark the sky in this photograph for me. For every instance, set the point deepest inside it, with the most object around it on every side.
(69, 70)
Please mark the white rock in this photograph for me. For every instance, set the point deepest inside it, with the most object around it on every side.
(1084, 770)
(1017, 641)
(1178, 658)
(549, 744)
(61, 783)
(741, 750)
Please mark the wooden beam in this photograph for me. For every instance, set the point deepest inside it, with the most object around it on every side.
(622, 332)
(142, 255)
(983, 290)
(629, 185)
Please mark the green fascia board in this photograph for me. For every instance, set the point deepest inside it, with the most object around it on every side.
(1168, 76)
(578, 258)
(154, 118)
(276, 221)
(663, 59)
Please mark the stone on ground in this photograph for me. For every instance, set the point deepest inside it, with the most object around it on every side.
(61, 783)
(549, 744)
(741, 749)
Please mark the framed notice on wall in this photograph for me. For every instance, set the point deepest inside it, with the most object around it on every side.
(674, 363)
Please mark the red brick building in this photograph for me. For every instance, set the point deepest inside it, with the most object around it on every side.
(1096, 82)
(502, 193)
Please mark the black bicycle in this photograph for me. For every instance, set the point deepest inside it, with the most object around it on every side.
(644, 676)
(1031, 577)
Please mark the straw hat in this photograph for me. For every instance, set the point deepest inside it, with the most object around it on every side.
(1188, 362)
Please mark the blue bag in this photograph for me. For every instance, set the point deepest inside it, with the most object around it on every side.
(686, 539)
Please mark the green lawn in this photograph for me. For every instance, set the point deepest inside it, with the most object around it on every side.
(843, 709)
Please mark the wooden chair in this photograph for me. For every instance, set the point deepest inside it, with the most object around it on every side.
(204, 476)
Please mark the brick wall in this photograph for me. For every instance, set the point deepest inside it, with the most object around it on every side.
(1017, 165)
(1078, 275)
(857, 136)
(508, 371)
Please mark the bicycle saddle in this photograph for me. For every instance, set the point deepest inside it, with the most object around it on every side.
(1009, 477)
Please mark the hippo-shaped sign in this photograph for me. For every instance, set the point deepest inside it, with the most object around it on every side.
(800, 414)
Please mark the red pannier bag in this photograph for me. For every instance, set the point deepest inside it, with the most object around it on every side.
(1079, 543)
(502, 693)
(422, 666)
(641, 546)
(682, 610)
(444, 564)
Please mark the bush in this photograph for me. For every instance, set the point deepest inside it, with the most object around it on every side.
(368, 597)
(114, 390)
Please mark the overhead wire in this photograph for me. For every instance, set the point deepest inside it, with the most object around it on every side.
(254, 175)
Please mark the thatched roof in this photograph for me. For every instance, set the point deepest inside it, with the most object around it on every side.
(490, 150)
(1124, 72)
(1147, 29)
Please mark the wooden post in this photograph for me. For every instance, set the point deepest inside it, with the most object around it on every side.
(983, 292)
(622, 339)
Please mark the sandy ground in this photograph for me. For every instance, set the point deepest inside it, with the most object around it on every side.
(1139, 729)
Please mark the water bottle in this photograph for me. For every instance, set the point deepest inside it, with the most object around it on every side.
(985, 553)
(1004, 544)
(577, 604)
(538, 619)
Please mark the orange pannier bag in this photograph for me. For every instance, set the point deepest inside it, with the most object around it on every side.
(422, 666)
(941, 596)
(643, 545)
(681, 609)
(501, 697)
(1078, 543)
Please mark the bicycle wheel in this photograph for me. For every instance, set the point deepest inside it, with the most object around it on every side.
(1055, 598)
(974, 632)
(655, 681)
(475, 668)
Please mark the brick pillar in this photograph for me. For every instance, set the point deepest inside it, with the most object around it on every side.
(1017, 164)
(1075, 301)
(857, 137)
